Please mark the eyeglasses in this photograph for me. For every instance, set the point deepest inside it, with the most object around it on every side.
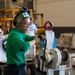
(26, 24)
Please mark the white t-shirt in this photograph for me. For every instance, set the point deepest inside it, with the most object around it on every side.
(31, 30)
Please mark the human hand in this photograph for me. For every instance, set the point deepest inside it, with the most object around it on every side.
(32, 42)
(42, 37)
(37, 40)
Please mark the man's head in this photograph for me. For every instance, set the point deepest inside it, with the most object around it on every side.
(22, 19)
(31, 20)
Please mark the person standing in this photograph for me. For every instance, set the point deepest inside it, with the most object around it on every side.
(18, 43)
(32, 31)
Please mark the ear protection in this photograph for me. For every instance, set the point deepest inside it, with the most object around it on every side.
(16, 22)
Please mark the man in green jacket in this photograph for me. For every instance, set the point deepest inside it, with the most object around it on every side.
(18, 43)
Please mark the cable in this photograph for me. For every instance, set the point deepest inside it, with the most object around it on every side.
(45, 42)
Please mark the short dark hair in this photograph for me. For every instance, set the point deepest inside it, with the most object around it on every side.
(31, 18)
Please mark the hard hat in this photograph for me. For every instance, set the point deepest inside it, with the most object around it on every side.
(23, 13)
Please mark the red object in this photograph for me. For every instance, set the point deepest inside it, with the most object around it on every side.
(1, 63)
(73, 66)
(47, 27)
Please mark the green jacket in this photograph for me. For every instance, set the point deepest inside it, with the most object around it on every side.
(17, 45)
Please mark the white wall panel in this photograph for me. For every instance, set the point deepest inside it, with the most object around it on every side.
(61, 13)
